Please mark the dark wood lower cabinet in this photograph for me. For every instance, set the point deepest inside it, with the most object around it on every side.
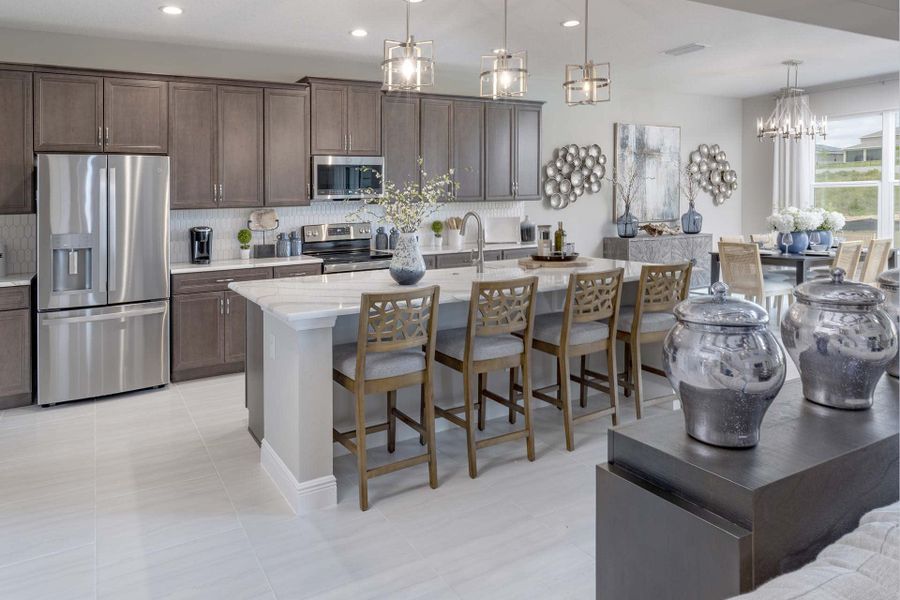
(15, 351)
(235, 328)
(198, 331)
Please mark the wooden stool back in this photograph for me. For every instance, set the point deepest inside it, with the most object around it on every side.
(397, 321)
(592, 297)
(876, 260)
(660, 289)
(501, 307)
(742, 270)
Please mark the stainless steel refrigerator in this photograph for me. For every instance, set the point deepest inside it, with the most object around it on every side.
(103, 275)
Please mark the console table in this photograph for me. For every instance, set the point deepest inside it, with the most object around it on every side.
(677, 518)
(663, 249)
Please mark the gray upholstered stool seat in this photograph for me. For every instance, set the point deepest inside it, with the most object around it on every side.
(651, 322)
(452, 342)
(378, 364)
(548, 327)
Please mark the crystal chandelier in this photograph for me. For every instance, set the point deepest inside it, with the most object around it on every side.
(504, 74)
(586, 83)
(792, 119)
(408, 65)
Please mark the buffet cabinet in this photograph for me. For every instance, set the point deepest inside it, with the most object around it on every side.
(15, 352)
(209, 322)
(665, 249)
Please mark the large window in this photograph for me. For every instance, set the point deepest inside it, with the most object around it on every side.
(857, 170)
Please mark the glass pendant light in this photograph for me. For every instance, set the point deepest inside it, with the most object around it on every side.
(408, 65)
(587, 83)
(504, 74)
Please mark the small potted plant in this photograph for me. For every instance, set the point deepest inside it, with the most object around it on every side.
(437, 228)
(244, 237)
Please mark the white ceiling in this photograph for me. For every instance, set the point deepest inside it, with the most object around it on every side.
(743, 59)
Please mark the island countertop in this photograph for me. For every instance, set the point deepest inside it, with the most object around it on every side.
(338, 294)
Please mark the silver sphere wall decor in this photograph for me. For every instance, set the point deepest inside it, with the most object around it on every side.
(710, 168)
(573, 171)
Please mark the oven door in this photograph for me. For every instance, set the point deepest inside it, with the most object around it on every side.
(346, 177)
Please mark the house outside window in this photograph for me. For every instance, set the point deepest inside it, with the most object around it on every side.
(856, 173)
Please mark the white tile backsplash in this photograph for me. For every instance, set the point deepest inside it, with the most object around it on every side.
(19, 232)
(227, 222)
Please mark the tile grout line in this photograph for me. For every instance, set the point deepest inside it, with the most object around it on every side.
(227, 494)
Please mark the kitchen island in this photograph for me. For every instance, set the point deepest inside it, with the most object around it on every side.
(292, 327)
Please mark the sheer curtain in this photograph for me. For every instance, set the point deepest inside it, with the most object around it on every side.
(793, 173)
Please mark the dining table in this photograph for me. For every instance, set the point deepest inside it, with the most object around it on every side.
(800, 262)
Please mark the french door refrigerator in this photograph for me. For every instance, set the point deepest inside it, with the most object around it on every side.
(102, 275)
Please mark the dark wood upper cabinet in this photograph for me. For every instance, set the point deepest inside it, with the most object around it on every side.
(135, 116)
(329, 118)
(499, 168)
(287, 147)
(468, 149)
(16, 151)
(528, 153)
(363, 120)
(240, 146)
(345, 116)
(68, 113)
(437, 117)
(400, 138)
(193, 147)
(198, 338)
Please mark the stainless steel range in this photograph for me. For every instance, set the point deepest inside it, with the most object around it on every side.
(343, 247)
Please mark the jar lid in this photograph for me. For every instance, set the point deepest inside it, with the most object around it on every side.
(721, 310)
(890, 280)
(838, 292)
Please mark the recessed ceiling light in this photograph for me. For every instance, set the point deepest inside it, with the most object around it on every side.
(359, 33)
(571, 23)
(413, 1)
(170, 10)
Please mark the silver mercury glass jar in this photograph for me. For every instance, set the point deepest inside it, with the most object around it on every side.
(889, 282)
(841, 340)
(726, 367)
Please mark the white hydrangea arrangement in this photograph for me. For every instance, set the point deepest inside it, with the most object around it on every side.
(407, 207)
(833, 221)
(792, 219)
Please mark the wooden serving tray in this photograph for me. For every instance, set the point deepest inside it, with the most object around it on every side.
(530, 263)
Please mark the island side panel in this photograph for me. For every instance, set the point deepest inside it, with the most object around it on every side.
(297, 447)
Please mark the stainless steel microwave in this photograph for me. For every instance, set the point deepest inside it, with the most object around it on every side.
(346, 177)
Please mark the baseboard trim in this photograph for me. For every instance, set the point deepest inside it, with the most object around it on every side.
(304, 497)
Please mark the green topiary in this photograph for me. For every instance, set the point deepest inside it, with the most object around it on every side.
(244, 237)
(437, 227)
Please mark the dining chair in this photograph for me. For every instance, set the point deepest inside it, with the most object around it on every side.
(394, 349)
(876, 260)
(497, 311)
(742, 271)
(584, 327)
(660, 288)
(846, 257)
(734, 239)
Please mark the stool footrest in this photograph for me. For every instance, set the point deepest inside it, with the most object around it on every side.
(499, 439)
(396, 466)
(447, 413)
(597, 414)
(501, 400)
(412, 423)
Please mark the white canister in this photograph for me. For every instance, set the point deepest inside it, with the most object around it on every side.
(2, 259)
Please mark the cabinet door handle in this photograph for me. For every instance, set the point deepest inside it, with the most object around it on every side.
(221, 193)
(215, 194)
(107, 136)
(308, 191)
(221, 306)
(228, 306)
(349, 142)
(100, 136)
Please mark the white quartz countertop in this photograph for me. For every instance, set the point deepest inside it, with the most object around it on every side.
(335, 294)
(16, 279)
(222, 265)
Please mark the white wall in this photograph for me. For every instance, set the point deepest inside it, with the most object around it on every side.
(703, 119)
(839, 100)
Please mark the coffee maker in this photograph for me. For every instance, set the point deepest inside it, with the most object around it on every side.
(201, 245)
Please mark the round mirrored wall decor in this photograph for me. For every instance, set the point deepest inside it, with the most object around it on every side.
(572, 172)
(709, 167)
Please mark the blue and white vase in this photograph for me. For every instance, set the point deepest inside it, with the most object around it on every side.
(799, 242)
(407, 265)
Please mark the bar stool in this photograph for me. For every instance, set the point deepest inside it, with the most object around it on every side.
(388, 355)
(661, 287)
(497, 310)
(576, 333)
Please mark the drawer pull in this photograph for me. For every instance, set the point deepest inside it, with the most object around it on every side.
(226, 280)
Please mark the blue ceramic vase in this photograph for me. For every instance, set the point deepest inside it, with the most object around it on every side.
(407, 265)
(799, 243)
(691, 221)
(826, 238)
(627, 224)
